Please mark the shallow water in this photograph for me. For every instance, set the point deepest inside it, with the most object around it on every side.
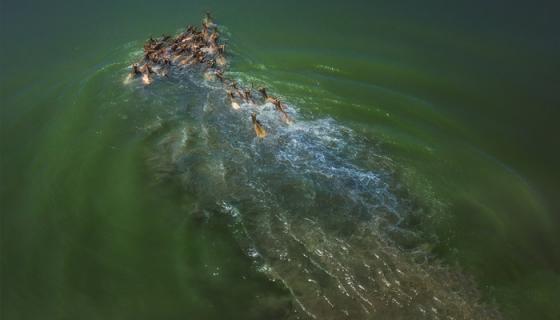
(418, 180)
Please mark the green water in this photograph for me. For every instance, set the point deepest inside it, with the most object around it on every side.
(462, 97)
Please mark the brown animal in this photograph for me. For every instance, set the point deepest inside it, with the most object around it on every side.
(247, 95)
(135, 70)
(234, 104)
(262, 90)
(280, 108)
(259, 129)
(277, 104)
(220, 75)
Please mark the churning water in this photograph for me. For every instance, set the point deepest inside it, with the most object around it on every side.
(316, 206)
(418, 179)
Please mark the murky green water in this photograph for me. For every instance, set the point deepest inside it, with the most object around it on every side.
(424, 154)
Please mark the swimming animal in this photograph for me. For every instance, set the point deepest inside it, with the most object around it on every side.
(259, 129)
(316, 207)
(277, 105)
(232, 101)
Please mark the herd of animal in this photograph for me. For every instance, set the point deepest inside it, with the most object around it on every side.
(202, 47)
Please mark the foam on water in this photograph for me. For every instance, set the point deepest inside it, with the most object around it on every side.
(317, 207)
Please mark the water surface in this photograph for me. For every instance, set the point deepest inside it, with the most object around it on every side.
(436, 120)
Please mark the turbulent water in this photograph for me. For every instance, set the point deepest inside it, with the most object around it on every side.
(418, 180)
(315, 205)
